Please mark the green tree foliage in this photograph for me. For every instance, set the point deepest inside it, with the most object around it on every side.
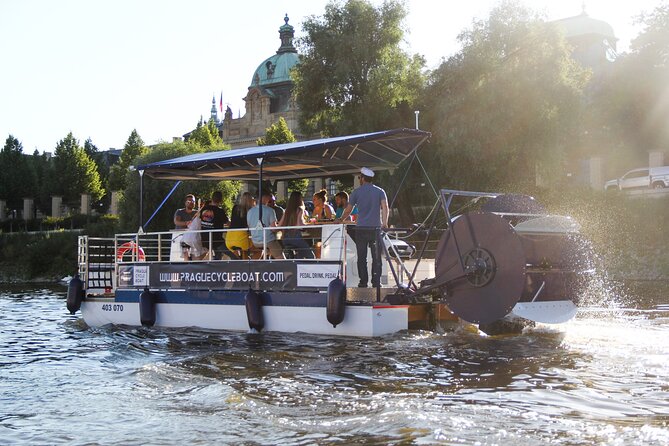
(74, 172)
(213, 129)
(353, 75)
(651, 53)
(17, 178)
(90, 148)
(506, 107)
(629, 112)
(46, 256)
(206, 135)
(155, 191)
(119, 172)
(93, 152)
(279, 133)
(102, 166)
(653, 42)
(41, 166)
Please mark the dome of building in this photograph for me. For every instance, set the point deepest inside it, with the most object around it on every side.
(583, 24)
(276, 68)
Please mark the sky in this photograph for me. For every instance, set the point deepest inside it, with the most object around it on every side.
(100, 69)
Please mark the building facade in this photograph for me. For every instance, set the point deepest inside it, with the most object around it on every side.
(269, 96)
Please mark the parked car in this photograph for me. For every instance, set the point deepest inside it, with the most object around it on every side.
(643, 178)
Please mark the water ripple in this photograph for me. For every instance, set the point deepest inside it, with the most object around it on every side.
(601, 379)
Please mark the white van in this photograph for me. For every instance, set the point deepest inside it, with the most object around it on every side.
(643, 178)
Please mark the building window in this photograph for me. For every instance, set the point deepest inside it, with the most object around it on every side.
(332, 188)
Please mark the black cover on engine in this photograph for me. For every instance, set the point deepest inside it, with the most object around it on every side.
(514, 203)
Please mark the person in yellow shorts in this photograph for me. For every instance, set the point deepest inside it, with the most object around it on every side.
(238, 237)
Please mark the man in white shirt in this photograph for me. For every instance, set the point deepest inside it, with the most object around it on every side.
(260, 230)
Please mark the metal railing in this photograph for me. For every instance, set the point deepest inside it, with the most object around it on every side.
(325, 242)
(97, 263)
(101, 260)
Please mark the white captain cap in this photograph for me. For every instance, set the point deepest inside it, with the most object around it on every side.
(366, 171)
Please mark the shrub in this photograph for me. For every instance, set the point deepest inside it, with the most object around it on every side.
(105, 226)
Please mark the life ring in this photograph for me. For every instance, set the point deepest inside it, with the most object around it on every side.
(130, 246)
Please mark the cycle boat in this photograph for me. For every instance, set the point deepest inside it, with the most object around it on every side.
(508, 260)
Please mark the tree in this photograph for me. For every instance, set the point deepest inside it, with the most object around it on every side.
(103, 169)
(206, 135)
(213, 129)
(506, 107)
(629, 117)
(134, 147)
(353, 76)
(74, 172)
(42, 167)
(93, 152)
(652, 43)
(90, 148)
(17, 179)
(156, 191)
(279, 133)
(650, 51)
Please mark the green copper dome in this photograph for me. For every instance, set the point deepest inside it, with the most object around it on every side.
(276, 69)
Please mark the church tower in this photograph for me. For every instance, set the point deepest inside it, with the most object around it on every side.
(214, 112)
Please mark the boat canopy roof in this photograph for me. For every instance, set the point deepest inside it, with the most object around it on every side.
(304, 159)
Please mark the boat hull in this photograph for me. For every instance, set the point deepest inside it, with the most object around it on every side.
(173, 309)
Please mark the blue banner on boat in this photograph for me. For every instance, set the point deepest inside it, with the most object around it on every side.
(232, 275)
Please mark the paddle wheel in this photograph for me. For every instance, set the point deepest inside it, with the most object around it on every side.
(506, 265)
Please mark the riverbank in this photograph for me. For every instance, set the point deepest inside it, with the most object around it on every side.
(629, 236)
(38, 256)
(48, 256)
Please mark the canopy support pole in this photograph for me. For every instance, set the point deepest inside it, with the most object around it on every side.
(397, 192)
(427, 239)
(427, 177)
(264, 244)
(141, 202)
(260, 190)
(162, 204)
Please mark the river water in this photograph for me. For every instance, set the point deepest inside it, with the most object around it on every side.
(603, 378)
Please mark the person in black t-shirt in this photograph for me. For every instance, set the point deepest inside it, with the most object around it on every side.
(214, 217)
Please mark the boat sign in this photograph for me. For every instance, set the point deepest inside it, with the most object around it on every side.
(140, 275)
(280, 275)
(315, 275)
